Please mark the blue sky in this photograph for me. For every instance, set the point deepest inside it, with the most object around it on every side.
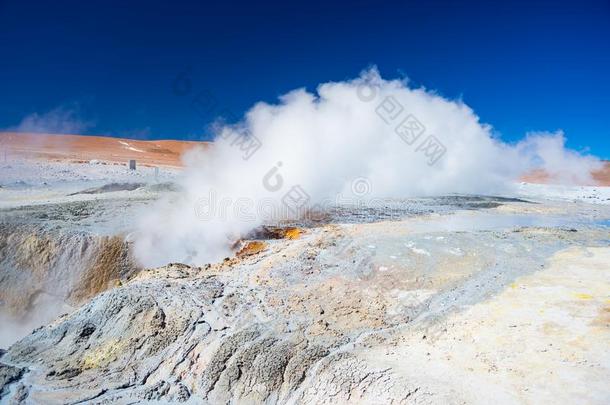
(522, 65)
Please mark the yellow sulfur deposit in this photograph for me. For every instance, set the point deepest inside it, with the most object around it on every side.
(103, 355)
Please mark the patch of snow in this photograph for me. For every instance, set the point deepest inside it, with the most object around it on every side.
(420, 251)
(134, 149)
(456, 251)
(587, 194)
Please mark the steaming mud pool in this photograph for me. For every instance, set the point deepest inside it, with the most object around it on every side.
(454, 299)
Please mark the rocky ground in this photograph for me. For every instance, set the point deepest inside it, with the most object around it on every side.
(64, 235)
(459, 299)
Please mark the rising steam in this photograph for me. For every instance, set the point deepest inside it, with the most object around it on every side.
(324, 148)
(60, 120)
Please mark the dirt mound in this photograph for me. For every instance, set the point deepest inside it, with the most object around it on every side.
(69, 266)
(600, 177)
(95, 149)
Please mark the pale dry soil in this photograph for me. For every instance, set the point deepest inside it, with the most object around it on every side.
(543, 339)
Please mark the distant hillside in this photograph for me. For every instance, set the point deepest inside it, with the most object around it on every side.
(153, 153)
(600, 177)
(87, 148)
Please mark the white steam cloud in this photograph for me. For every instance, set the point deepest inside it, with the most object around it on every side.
(60, 120)
(365, 138)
